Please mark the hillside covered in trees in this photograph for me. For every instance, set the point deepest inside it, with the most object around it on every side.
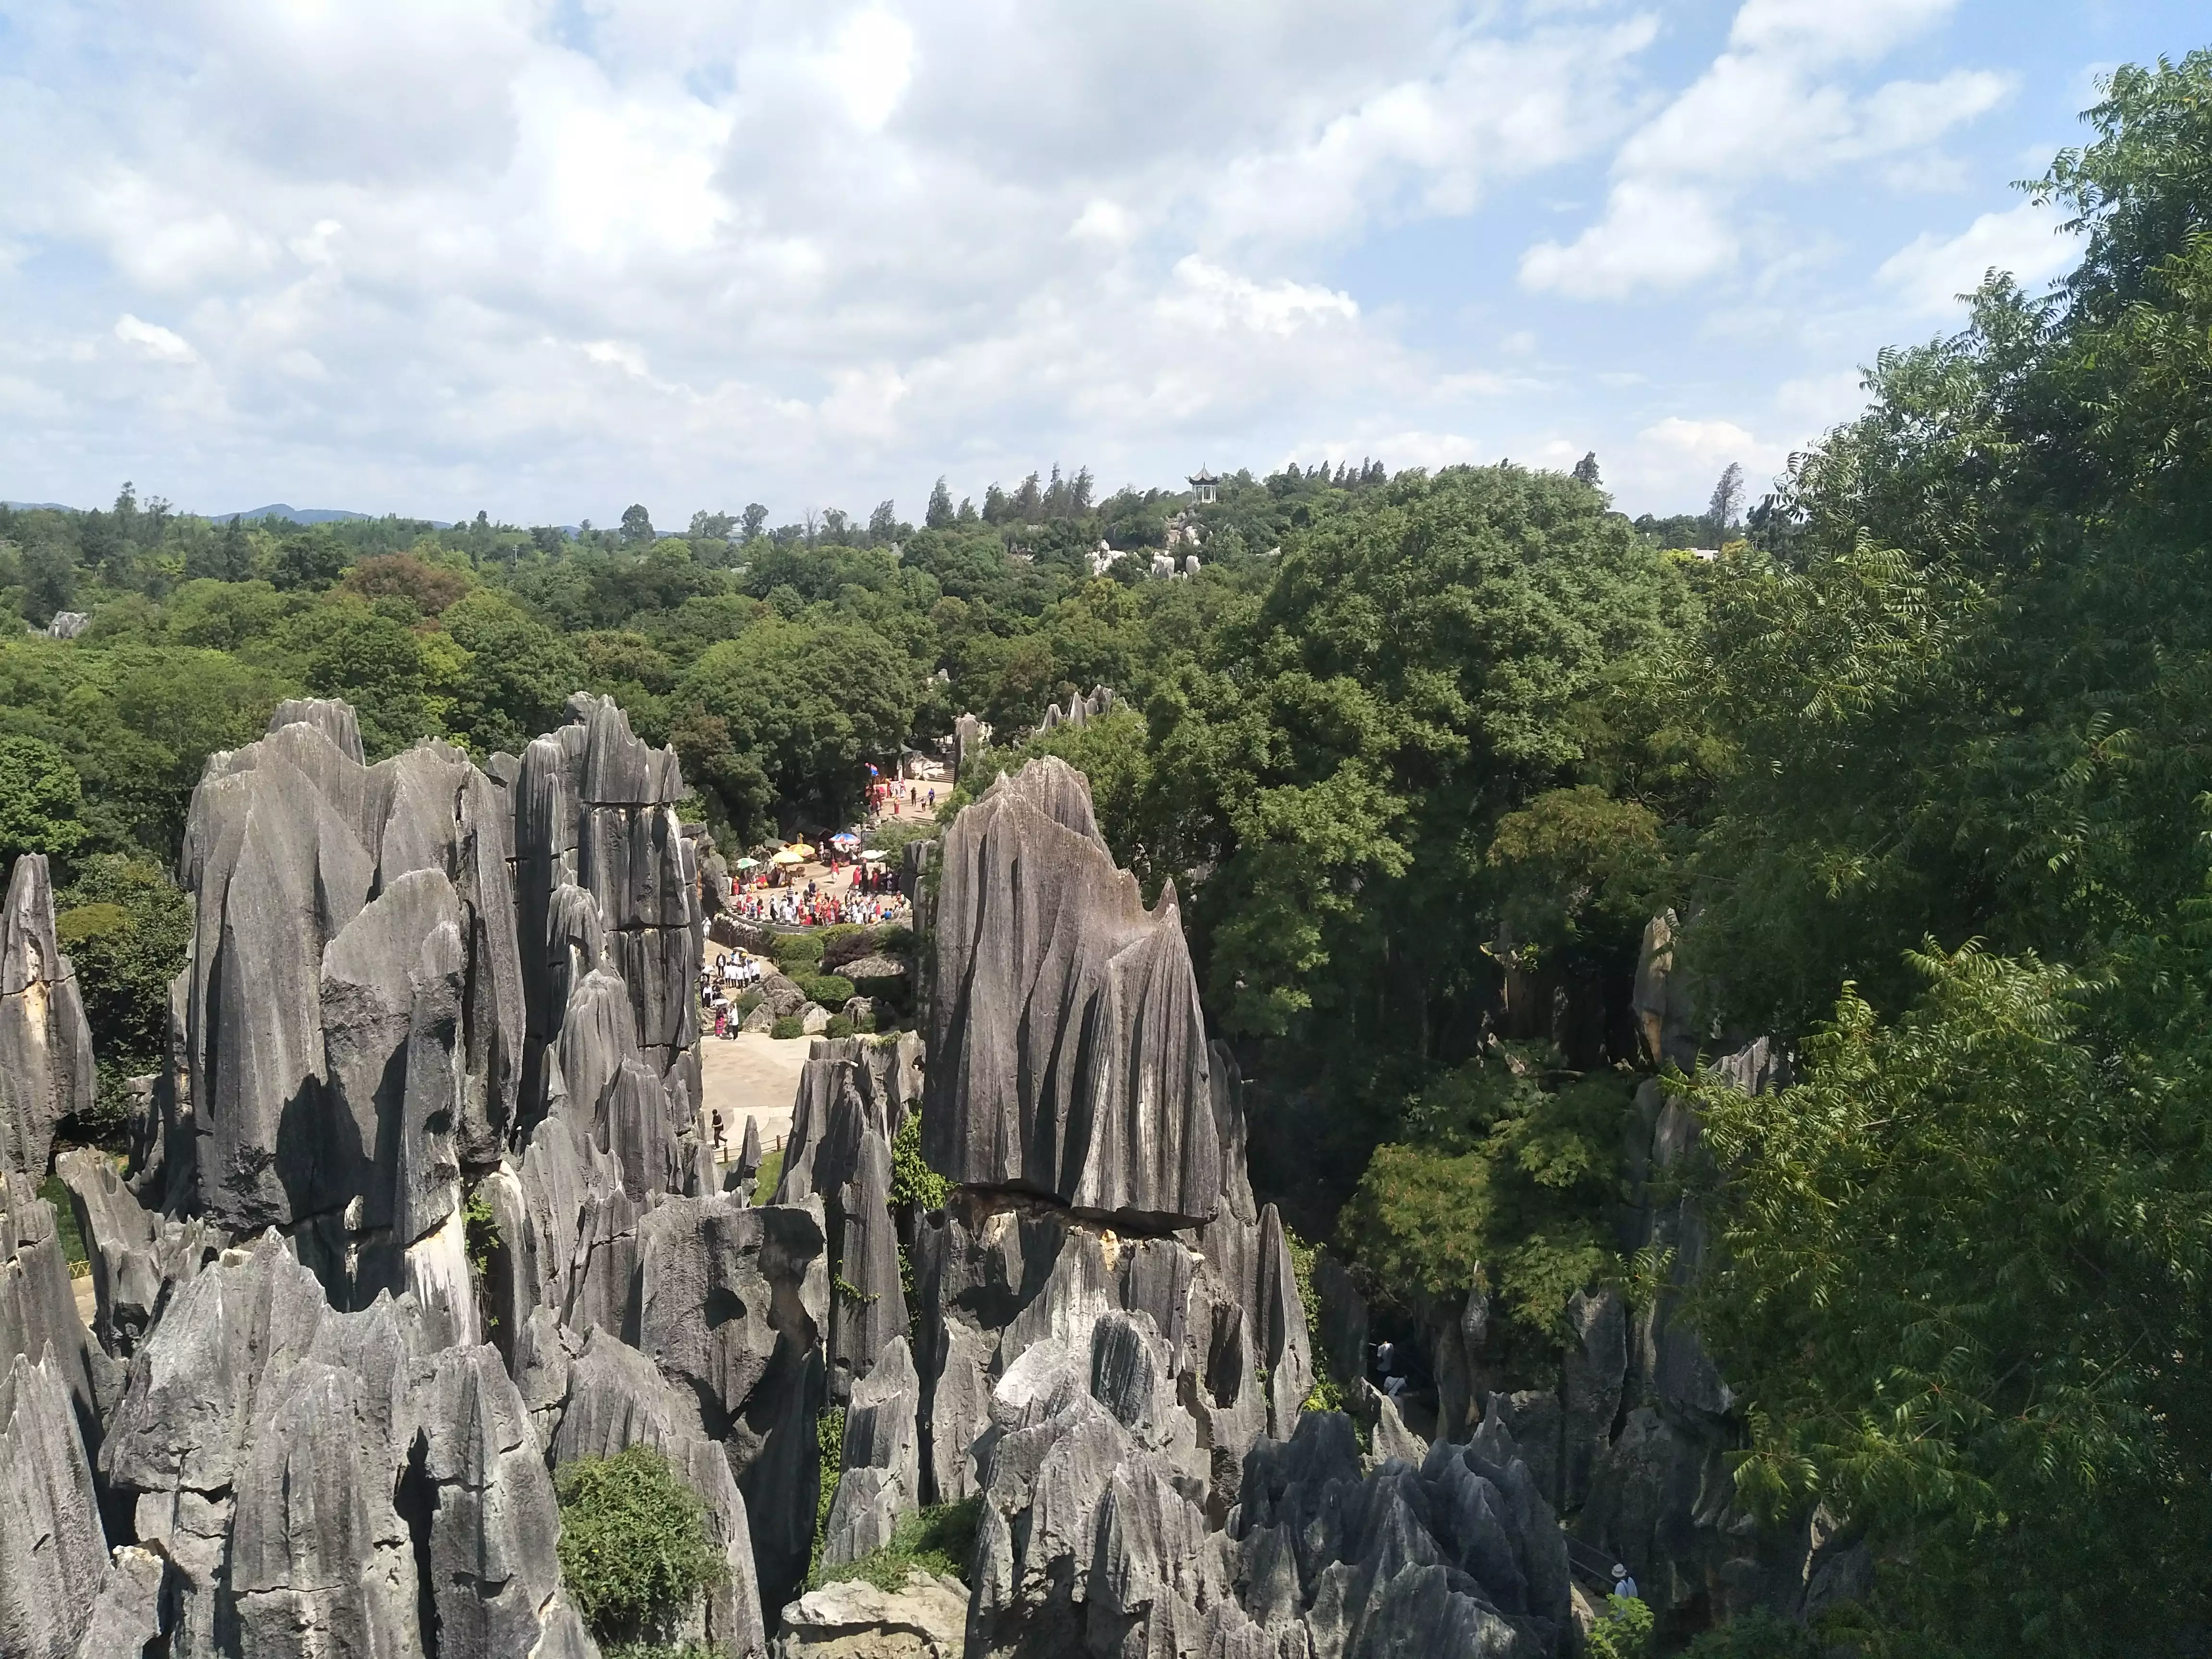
(1918, 768)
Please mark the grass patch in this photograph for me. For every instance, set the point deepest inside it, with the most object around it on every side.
(771, 1172)
(57, 1193)
(939, 1540)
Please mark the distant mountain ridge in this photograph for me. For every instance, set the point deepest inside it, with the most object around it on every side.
(296, 514)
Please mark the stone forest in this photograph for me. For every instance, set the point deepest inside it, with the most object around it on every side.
(419, 1214)
(1359, 1062)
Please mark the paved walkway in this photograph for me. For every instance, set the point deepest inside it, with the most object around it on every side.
(754, 1074)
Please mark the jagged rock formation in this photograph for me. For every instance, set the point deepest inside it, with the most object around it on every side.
(733, 1307)
(853, 1096)
(136, 1257)
(1093, 1542)
(45, 1047)
(1081, 710)
(352, 1017)
(593, 1396)
(1068, 1055)
(410, 984)
(880, 1478)
(595, 819)
(969, 734)
(1458, 1554)
(52, 1549)
(37, 1310)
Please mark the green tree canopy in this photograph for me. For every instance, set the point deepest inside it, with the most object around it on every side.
(40, 798)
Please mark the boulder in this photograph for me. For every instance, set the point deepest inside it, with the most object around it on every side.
(879, 975)
(1038, 936)
(782, 995)
(926, 1617)
(813, 1020)
(46, 1046)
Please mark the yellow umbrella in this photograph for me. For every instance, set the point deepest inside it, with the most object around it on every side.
(789, 855)
(801, 848)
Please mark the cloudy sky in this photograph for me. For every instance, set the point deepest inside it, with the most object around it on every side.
(548, 256)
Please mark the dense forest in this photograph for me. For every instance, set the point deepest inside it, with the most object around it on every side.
(1921, 765)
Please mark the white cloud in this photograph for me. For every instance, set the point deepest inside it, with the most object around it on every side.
(1218, 299)
(1493, 110)
(1777, 104)
(616, 353)
(1102, 220)
(1653, 235)
(155, 341)
(1813, 403)
(544, 258)
(871, 64)
(1826, 32)
(1930, 272)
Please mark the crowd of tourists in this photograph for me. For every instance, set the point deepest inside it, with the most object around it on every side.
(817, 905)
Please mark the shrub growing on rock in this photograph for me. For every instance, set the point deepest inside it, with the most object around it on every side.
(635, 1552)
(844, 943)
(797, 954)
(789, 1026)
(831, 990)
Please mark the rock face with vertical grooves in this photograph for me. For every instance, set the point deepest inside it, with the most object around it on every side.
(594, 1397)
(319, 1559)
(495, 1525)
(881, 1476)
(45, 1047)
(605, 876)
(52, 1551)
(137, 1256)
(854, 1093)
(733, 1305)
(38, 1309)
(1067, 1052)
(350, 1013)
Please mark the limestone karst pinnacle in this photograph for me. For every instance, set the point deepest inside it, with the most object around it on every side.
(418, 1214)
